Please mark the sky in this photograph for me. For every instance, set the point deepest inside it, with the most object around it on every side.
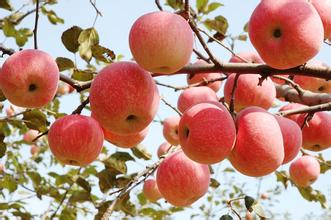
(113, 28)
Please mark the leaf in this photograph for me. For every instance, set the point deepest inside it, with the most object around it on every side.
(249, 201)
(214, 183)
(70, 38)
(117, 162)
(87, 38)
(35, 177)
(82, 75)
(5, 5)
(219, 24)
(8, 182)
(213, 6)
(126, 205)
(140, 152)
(84, 184)
(201, 5)
(52, 17)
(22, 36)
(64, 63)
(4, 206)
(246, 27)
(80, 196)
(226, 217)
(3, 146)
(102, 53)
(2, 96)
(8, 28)
(311, 194)
(106, 180)
(282, 177)
(258, 209)
(175, 4)
(122, 156)
(35, 119)
(142, 199)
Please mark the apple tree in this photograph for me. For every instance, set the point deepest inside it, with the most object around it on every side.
(80, 128)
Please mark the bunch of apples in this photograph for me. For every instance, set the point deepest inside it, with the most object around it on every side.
(124, 100)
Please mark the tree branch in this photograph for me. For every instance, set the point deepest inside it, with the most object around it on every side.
(309, 109)
(35, 30)
(157, 2)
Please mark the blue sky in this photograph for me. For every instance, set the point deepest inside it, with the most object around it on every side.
(113, 28)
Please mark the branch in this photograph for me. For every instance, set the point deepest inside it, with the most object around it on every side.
(201, 56)
(168, 104)
(80, 108)
(5, 50)
(309, 109)
(292, 83)
(96, 10)
(233, 91)
(157, 2)
(35, 30)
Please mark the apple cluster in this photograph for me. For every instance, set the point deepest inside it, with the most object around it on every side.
(124, 100)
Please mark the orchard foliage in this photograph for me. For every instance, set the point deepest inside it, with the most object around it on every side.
(90, 163)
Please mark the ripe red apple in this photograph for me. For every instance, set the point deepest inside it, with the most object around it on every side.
(207, 133)
(314, 84)
(30, 135)
(281, 32)
(292, 137)
(151, 190)
(163, 149)
(34, 150)
(304, 171)
(195, 95)
(125, 140)
(199, 77)
(323, 7)
(63, 89)
(124, 98)
(292, 106)
(29, 78)
(170, 129)
(182, 181)
(317, 135)
(161, 42)
(259, 147)
(75, 139)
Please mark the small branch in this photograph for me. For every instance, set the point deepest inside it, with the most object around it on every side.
(233, 91)
(201, 56)
(74, 84)
(6, 51)
(98, 13)
(157, 2)
(80, 108)
(187, 8)
(35, 30)
(168, 104)
(309, 109)
(292, 83)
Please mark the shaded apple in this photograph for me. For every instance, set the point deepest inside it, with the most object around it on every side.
(34, 150)
(170, 129)
(30, 135)
(304, 171)
(163, 149)
(151, 190)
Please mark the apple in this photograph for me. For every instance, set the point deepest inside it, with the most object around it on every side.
(161, 42)
(124, 98)
(292, 137)
(34, 150)
(163, 149)
(75, 139)
(29, 78)
(195, 95)
(125, 140)
(200, 77)
(281, 32)
(30, 135)
(304, 171)
(151, 190)
(170, 129)
(316, 136)
(9, 112)
(63, 89)
(182, 181)
(259, 148)
(323, 7)
(207, 133)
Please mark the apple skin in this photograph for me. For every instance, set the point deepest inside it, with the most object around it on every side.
(182, 181)
(199, 77)
(195, 95)
(75, 139)
(29, 78)
(161, 42)
(151, 190)
(259, 148)
(292, 106)
(292, 137)
(304, 171)
(317, 135)
(125, 141)
(30, 135)
(282, 38)
(63, 89)
(314, 84)
(34, 150)
(163, 149)
(170, 129)
(207, 133)
(124, 98)
(323, 7)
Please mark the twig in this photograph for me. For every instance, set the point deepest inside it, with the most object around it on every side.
(309, 109)
(201, 56)
(6, 51)
(157, 2)
(229, 203)
(168, 104)
(35, 30)
(292, 83)
(80, 108)
(98, 13)
(187, 8)
(233, 91)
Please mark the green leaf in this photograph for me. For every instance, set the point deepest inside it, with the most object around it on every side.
(5, 5)
(122, 156)
(213, 6)
(214, 183)
(80, 196)
(107, 180)
(8, 182)
(142, 199)
(4, 206)
(2, 96)
(52, 16)
(258, 209)
(141, 152)
(22, 36)
(117, 162)
(84, 184)
(246, 27)
(68, 214)
(102, 53)
(175, 4)
(35, 177)
(70, 38)
(311, 194)
(87, 38)
(126, 206)
(282, 177)
(219, 24)
(249, 201)
(226, 217)
(35, 119)
(64, 63)
(3, 146)
(201, 5)
(8, 28)
(82, 75)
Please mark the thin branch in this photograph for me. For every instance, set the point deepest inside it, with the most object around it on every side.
(98, 13)
(80, 108)
(157, 2)
(292, 83)
(168, 104)
(201, 56)
(309, 109)
(233, 91)
(35, 30)
(187, 8)
(6, 51)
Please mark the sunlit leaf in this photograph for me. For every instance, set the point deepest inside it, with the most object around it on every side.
(141, 152)
(64, 63)
(87, 38)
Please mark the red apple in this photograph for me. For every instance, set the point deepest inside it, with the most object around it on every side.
(125, 140)
(163, 149)
(124, 98)
(161, 42)
(304, 171)
(75, 139)
(29, 78)
(207, 133)
(281, 32)
(63, 89)
(182, 181)
(30, 135)
(34, 150)
(151, 190)
(200, 77)
(323, 8)
(259, 148)
(195, 95)
(170, 129)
